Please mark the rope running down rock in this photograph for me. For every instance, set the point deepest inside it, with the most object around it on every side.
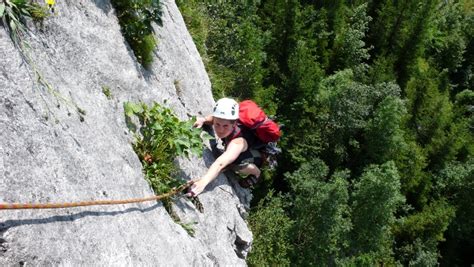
(16, 206)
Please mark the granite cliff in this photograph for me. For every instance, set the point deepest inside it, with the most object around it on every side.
(72, 144)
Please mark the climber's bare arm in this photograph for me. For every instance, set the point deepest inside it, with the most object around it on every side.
(235, 147)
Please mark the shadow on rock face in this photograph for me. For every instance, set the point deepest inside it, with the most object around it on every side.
(5, 225)
(103, 5)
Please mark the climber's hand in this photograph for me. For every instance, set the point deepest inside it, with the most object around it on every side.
(199, 122)
(197, 188)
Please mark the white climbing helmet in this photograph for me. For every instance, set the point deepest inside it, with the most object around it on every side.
(226, 108)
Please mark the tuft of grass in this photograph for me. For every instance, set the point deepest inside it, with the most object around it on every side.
(135, 18)
(106, 91)
(15, 13)
(143, 49)
(38, 12)
(189, 228)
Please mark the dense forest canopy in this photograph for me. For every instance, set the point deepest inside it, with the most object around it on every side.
(377, 102)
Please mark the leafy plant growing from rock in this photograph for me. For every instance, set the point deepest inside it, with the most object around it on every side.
(135, 18)
(13, 16)
(159, 139)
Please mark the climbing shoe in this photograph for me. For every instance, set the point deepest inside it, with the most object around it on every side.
(250, 181)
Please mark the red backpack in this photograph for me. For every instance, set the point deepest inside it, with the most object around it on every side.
(253, 117)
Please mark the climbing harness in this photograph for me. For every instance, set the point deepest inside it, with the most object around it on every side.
(16, 206)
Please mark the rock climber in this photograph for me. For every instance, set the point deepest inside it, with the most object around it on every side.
(239, 143)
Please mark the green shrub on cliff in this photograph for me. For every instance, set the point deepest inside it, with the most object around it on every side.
(135, 18)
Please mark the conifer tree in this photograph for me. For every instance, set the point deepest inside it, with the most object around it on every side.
(418, 235)
(431, 116)
(456, 181)
(384, 133)
(349, 49)
(270, 223)
(321, 215)
(374, 201)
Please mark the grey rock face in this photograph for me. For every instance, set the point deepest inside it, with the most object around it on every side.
(71, 144)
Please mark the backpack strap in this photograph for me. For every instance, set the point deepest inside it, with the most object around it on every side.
(235, 133)
(259, 123)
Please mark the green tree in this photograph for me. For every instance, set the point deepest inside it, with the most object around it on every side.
(456, 182)
(321, 214)
(447, 39)
(311, 26)
(462, 77)
(384, 133)
(388, 25)
(300, 104)
(400, 32)
(411, 163)
(278, 18)
(271, 227)
(374, 201)
(347, 106)
(413, 44)
(418, 234)
(349, 49)
(431, 116)
(236, 44)
(464, 115)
